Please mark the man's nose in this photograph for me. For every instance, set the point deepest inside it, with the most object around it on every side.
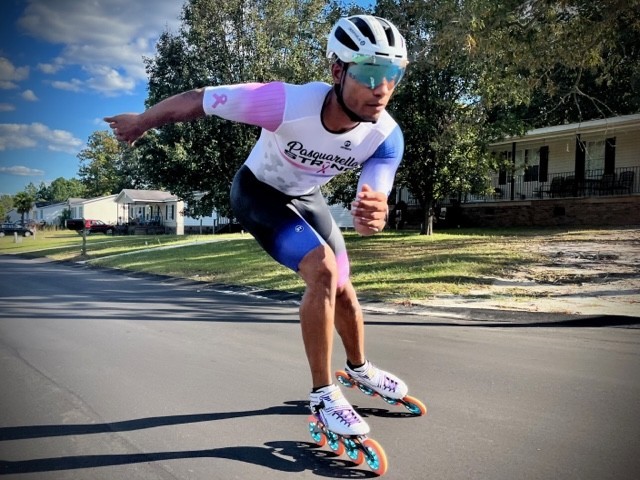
(383, 88)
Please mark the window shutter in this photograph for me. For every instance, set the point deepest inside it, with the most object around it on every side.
(610, 155)
(544, 163)
(580, 159)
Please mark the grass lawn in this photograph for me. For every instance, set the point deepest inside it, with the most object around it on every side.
(391, 266)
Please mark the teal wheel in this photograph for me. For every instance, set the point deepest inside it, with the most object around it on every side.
(375, 457)
(353, 452)
(335, 444)
(390, 401)
(344, 379)
(316, 433)
(414, 405)
(366, 390)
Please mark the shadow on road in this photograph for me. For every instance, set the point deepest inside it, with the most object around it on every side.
(297, 407)
(285, 456)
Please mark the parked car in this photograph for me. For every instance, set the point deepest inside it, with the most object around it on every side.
(11, 228)
(91, 226)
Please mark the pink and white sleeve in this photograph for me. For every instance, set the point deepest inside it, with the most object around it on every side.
(260, 104)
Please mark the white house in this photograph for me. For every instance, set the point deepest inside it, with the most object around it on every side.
(586, 159)
(99, 208)
(13, 216)
(150, 208)
(50, 214)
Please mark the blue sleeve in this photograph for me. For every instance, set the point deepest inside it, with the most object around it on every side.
(379, 170)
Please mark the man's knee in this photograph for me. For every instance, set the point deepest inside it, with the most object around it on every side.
(319, 266)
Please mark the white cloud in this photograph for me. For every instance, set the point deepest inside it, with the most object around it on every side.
(109, 81)
(73, 85)
(29, 96)
(21, 171)
(9, 74)
(7, 107)
(109, 36)
(51, 68)
(18, 136)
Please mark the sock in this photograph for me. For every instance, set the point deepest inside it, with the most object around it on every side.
(355, 367)
(317, 389)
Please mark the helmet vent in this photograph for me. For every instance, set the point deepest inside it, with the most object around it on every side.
(391, 39)
(345, 39)
(364, 28)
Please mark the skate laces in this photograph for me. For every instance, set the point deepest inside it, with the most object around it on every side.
(334, 404)
(377, 377)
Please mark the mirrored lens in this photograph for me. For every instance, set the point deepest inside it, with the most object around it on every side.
(374, 75)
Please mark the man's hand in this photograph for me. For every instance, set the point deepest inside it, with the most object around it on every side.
(369, 211)
(127, 127)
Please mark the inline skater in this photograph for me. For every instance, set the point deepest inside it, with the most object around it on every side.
(310, 133)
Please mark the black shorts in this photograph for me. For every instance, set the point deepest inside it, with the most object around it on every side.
(287, 227)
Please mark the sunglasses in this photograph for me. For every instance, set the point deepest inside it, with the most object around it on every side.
(372, 71)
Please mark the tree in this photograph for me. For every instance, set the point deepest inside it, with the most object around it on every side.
(23, 203)
(106, 167)
(482, 70)
(569, 60)
(6, 204)
(223, 43)
(61, 189)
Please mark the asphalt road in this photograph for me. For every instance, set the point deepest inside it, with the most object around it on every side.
(104, 375)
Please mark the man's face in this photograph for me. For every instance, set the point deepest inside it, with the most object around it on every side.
(366, 89)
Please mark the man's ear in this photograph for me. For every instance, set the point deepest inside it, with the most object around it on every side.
(336, 72)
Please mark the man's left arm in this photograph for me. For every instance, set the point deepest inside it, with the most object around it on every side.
(370, 209)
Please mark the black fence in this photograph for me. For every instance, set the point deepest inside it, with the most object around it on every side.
(622, 181)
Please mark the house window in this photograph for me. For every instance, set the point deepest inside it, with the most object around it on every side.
(594, 156)
(173, 212)
(531, 165)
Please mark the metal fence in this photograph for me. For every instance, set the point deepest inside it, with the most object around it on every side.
(622, 181)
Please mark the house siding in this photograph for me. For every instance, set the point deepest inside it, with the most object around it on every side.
(103, 208)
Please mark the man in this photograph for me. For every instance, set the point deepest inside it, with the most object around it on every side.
(309, 134)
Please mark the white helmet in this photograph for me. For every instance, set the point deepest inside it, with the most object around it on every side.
(366, 35)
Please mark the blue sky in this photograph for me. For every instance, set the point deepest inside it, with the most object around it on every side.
(64, 65)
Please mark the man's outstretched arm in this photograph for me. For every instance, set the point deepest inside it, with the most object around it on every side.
(183, 107)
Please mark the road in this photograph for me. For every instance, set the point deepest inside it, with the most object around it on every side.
(107, 375)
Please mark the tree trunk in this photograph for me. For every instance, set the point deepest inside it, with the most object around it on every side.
(426, 228)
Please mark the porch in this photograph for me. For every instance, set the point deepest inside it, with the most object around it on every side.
(592, 183)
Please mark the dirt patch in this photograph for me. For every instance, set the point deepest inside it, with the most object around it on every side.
(589, 272)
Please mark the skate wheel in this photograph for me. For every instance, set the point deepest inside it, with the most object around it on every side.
(344, 379)
(390, 401)
(316, 434)
(414, 405)
(353, 452)
(335, 444)
(366, 390)
(375, 457)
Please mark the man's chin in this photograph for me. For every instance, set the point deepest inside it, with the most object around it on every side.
(370, 118)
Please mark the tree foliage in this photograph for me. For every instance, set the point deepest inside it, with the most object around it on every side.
(61, 189)
(482, 70)
(223, 43)
(6, 204)
(108, 166)
(23, 203)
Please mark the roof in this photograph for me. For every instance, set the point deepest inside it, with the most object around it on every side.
(145, 196)
(76, 201)
(604, 125)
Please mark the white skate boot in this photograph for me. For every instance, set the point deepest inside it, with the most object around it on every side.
(383, 383)
(336, 413)
(372, 381)
(336, 424)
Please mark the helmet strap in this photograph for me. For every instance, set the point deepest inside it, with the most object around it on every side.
(337, 88)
